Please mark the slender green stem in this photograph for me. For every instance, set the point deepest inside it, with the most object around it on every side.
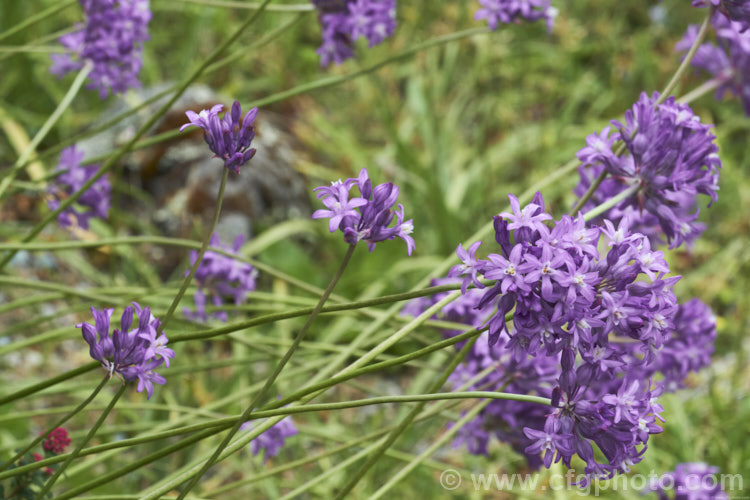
(471, 334)
(295, 313)
(704, 89)
(201, 253)
(51, 121)
(42, 49)
(57, 424)
(55, 287)
(115, 157)
(48, 485)
(257, 321)
(75, 492)
(403, 471)
(688, 57)
(279, 367)
(252, 6)
(49, 382)
(433, 411)
(375, 456)
(610, 203)
(589, 193)
(35, 18)
(216, 425)
(409, 398)
(403, 332)
(26, 301)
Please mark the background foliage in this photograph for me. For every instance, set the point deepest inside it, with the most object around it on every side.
(458, 126)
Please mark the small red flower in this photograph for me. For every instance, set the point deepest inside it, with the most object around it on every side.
(57, 440)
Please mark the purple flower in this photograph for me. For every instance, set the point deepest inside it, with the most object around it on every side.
(531, 216)
(94, 202)
(272, 439)
(218, 277)
(728, 61)
(734, 10)
(671, 158)
(131, 354)
(510, 11)
(367, 217)
(507, 271)
(344, 21)
(468, 268)
(691, 336)
(689, 481)
(111, 41)
(230, 137)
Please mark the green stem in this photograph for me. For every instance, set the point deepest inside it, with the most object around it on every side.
(261, 320)
(114, 158)
(33, 19)
(48, 485)
(49, 382)
(375, 456)
(403, 332)
(216, 425)
(42, 49)
(295, 313)
(403, 471)
(409, 398)
(703, 89)
(279, 367)
(55, 287)
(436, 410)
(201, 253)
(688, 57)
(57, 424)
(252, 6)
(610, 203)
(589, 193)
(64, 105)
(75, 492)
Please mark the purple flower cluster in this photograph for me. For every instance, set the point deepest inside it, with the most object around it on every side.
(728, 61)
(671, 158)
(734, 10)
(229, 137)
(344, 21)
(94, 200)
(111, 41)
(574, 310)
(219, 276)
(366, 217)
(129, 354)
(689, 481)
(273, 439)
(598, 332)
(510, 11)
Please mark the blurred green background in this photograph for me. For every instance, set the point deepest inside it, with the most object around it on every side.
(457, 127)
